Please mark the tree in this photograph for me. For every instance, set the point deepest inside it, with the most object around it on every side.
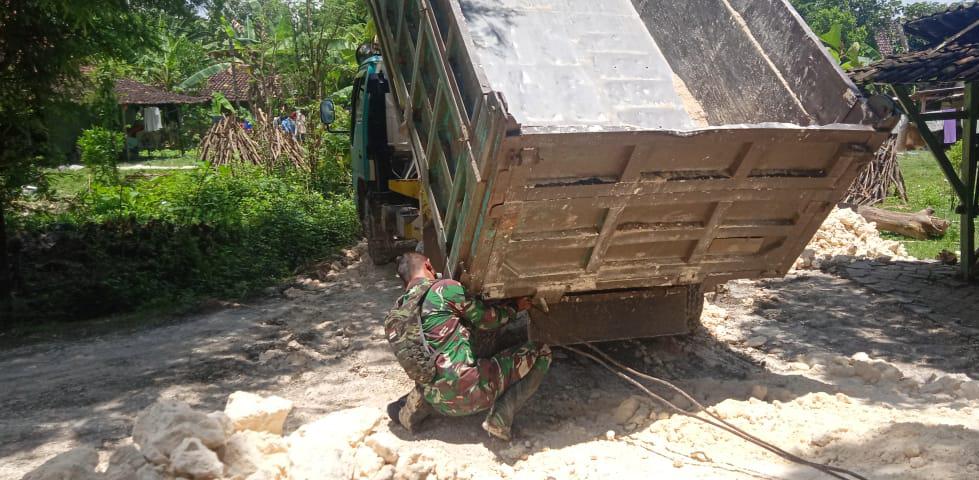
(308, 46)
(859, 20)
(43, 46)
(178, 54)
(923, 9)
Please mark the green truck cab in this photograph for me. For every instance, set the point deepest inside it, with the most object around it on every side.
(385, 187)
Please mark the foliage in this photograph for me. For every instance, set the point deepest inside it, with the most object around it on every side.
(308, 46)
(923, 9)
(858, 20)
(175, 238)
(179, 53)
(100, 150)
(848, 56)
(43, 45)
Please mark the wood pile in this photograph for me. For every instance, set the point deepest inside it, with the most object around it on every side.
(879, 179)
(229, 143)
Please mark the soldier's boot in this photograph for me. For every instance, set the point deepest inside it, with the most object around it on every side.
(412, 410)
(499, 421)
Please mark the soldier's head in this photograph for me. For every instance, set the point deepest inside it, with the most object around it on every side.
(413, 265)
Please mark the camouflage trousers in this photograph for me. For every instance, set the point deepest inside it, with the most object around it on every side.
(461, 390)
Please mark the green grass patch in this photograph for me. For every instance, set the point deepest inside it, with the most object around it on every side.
(927, 187)
(164, 158)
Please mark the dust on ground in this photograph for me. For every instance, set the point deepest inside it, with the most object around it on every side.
(824, 366)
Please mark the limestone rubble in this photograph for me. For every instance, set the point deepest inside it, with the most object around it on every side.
(847, 234)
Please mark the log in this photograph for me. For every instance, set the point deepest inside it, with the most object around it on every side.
(920, 225)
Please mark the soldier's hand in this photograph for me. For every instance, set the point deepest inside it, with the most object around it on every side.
(524, 304)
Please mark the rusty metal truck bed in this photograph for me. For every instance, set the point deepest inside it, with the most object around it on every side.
(574, 149)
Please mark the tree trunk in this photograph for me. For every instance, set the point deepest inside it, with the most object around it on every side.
(920, 226)
(6, 279)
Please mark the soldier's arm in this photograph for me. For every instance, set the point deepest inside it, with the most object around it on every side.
(475, 312)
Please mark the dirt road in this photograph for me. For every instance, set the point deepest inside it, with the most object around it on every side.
(797, 344)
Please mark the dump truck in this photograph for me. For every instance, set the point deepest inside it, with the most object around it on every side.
(609, 159)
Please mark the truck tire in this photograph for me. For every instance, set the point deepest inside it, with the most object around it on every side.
(695, 306)
(378, 244)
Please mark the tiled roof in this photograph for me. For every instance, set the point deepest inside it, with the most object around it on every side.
(237, 87)
(131, 92)
(955, 62)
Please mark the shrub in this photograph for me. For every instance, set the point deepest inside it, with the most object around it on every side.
(100, 150)
(175, 238)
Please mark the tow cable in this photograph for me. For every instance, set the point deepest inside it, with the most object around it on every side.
(714, 420)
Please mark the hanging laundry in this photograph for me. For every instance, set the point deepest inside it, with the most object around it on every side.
(151, 119)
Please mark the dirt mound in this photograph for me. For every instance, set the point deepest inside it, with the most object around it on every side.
(846, 234)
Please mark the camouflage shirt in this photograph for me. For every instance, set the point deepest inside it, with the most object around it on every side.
(448, 316)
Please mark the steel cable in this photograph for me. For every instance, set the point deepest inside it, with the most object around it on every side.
(720, 423)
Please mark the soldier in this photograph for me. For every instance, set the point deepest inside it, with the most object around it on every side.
(430, 329)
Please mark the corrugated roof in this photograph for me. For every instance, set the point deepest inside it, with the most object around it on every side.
(953, 63)
(938, 27)
(131, 92)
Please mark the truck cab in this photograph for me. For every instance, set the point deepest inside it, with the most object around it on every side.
(385, 181)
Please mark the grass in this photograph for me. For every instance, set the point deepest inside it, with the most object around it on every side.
(164, 158)
(927, 187)
(69, 183)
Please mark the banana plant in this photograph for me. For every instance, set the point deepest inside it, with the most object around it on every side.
(847, 56)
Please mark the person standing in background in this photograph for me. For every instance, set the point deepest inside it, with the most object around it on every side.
(300, 125)
(288, 125)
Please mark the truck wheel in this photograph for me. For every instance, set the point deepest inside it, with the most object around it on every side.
(695, 306)
(378, 244)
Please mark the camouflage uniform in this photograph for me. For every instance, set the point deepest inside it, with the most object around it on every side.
(464, 384)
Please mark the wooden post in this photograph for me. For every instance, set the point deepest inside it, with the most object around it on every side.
(963, 182)
(125, 134)
(970, 158)
(180, 128)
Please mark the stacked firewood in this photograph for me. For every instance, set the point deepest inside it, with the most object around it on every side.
(228, 142)
(879, 179)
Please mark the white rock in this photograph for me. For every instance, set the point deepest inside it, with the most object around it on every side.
(260, 414)
(191, 458)
(866, 371)
(324, 449)
(756, 341)
(970, 390)
(912, 450)
(385, 473)
(224, 420)
(945, 384)
(366, 462)
(415, 466)
(861, 357)
(267, 475)
(248, 452)
(624, 412)
(160, 428)
(385, 444)
(124, 463)
(77, 464)
(888, 372)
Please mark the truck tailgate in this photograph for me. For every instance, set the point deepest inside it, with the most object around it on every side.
(605, 211)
